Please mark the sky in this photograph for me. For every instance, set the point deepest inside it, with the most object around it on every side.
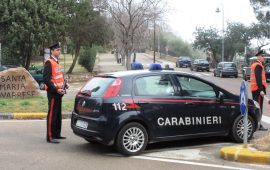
(185, 15)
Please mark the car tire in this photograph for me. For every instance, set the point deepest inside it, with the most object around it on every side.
(236, 76)
(132, 139)
(237, 131)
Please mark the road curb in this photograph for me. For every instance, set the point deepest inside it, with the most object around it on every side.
(29, 115)
(248, 155)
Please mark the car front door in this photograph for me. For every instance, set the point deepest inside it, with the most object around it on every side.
(200, 110)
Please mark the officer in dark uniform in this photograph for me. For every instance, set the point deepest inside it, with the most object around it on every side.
(258, 81)
(55, 86)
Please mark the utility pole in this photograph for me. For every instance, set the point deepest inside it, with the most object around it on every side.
(154, 40)
(222, 42)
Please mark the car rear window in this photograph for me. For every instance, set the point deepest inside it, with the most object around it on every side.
(98, 86)
(229, 65)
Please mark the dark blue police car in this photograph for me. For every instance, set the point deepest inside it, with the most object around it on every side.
(133, 108)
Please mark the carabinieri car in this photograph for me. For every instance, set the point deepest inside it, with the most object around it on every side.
(130, 109)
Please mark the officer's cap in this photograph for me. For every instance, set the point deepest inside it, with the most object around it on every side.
(54, 46)
(261, 52)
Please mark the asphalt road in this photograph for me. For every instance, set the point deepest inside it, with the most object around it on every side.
(23, 147)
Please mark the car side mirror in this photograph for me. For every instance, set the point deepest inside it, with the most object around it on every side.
(221, 97)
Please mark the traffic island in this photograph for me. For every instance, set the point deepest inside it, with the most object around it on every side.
(245, 154)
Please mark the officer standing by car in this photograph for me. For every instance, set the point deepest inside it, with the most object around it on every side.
(54, 80)
(258, 81)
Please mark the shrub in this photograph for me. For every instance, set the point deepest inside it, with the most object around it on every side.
(87, 58)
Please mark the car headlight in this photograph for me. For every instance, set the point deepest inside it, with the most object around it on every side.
(256, 104)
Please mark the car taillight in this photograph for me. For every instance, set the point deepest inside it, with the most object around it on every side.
(113, 89)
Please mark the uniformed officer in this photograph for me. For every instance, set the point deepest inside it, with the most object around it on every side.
(54, 80)
(258, 81)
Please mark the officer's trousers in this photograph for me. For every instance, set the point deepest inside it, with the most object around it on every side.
(258, 98)
(54, 117)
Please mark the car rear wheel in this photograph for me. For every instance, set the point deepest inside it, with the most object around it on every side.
(237, 131)
(132, 139)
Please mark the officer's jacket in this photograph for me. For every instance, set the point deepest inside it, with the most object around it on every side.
(53, 75)
(254, 80)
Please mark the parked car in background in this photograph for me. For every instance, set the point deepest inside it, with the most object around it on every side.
(246, 69)
(37, 74)
(183, 61)
(226, 69)
(200, 64)
(5, 67)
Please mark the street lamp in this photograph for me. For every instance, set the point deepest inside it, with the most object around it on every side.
(222, 43)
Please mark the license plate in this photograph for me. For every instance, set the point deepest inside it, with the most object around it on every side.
(82, 124)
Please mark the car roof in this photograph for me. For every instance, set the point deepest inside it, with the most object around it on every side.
(142, 72)
(255, 58)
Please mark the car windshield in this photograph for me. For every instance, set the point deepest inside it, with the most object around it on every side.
(185, 58)
(227, 65)
(97, 86)
(203, 61)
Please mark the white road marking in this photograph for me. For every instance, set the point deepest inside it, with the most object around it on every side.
(266, 119)
(186, 162)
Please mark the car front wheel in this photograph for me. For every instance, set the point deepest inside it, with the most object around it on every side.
(132, 139)
(237, 131)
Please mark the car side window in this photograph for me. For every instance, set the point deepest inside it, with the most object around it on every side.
(154, 85)
(195, 88)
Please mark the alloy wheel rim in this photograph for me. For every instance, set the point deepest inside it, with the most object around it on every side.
(133, 139)
(240, 128)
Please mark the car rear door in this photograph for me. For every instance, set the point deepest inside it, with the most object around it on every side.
(155, 96)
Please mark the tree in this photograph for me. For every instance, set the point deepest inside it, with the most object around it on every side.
(260, 31)
(85, 27)
(25, 26)
(261, 9)
(128, 17)
(208, 40)
(238, 38)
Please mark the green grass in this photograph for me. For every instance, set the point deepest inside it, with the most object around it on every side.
(65, 61)
(33, 104)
